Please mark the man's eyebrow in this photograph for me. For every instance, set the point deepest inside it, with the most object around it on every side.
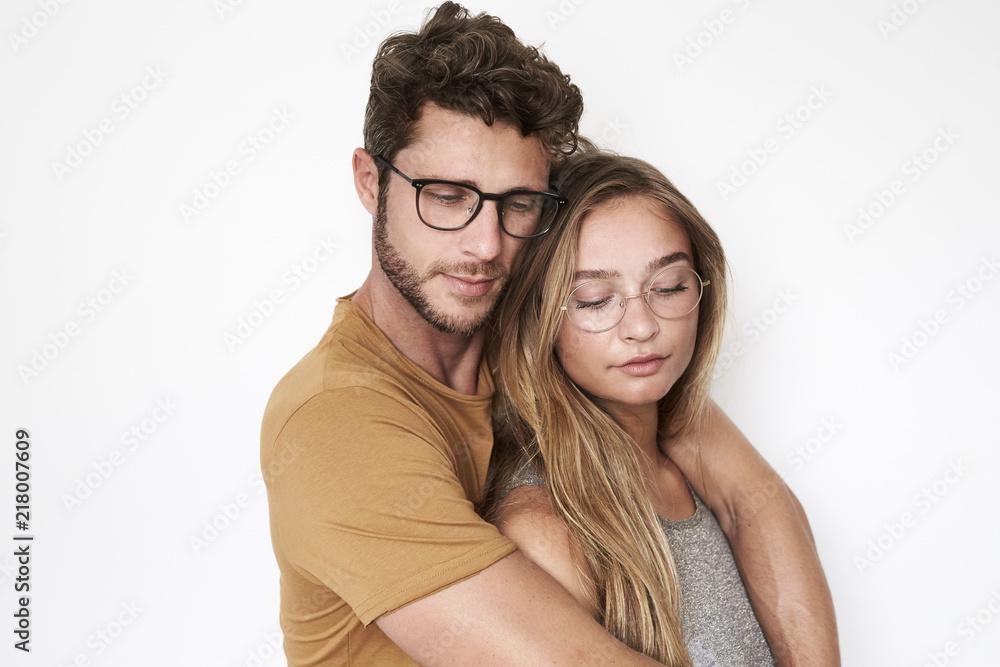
(476, 186)
(460, 181)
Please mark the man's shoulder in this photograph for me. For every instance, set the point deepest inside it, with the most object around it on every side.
(341, 372)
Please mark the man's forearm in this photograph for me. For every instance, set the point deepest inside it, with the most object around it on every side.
(512, 613)
(777, 558)
(770, 538)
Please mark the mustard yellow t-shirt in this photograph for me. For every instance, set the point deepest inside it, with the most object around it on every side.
(370, 465)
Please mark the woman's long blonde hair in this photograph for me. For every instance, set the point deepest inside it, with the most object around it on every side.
(589, 463)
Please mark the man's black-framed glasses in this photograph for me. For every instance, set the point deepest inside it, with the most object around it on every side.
(449, 206)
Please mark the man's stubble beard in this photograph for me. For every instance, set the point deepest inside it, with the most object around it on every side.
(409, 283)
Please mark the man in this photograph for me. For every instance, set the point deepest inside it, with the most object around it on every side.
(376, 444)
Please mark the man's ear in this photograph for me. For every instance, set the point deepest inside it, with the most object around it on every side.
(365, 179)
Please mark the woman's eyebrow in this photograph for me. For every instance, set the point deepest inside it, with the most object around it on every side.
(653, 265)
(667, 260)
(596, 274)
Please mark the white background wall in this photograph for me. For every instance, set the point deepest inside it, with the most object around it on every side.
(116, 303)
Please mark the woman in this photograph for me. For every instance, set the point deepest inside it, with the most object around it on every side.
(603, 350)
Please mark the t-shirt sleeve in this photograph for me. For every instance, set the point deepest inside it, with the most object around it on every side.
(368, 502)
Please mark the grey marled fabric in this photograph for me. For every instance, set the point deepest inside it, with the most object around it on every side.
(720, 627)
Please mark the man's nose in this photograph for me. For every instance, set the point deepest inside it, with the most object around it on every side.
(483, 237)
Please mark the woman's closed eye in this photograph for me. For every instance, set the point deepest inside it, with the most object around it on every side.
(580, 304)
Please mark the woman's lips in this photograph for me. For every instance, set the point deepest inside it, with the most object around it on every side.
(643, 366)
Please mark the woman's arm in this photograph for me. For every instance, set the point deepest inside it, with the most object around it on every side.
(527, 517)
(770, 538)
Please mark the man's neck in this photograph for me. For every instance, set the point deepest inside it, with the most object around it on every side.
(451, 359)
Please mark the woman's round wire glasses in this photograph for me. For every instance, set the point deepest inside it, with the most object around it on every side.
(597, 306)
(449, 206)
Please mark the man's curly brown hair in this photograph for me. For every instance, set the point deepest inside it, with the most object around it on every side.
(473, 65)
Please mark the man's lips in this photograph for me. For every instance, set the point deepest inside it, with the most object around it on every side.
(469, 285)
(643, 365)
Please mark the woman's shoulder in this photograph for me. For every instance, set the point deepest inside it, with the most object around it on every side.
(524, 475)
(528, 516)
(528, 511)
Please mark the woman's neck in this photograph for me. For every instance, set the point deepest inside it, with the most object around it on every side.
(664, 480)
(641, 423)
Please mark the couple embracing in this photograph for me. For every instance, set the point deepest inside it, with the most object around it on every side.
(503, 449)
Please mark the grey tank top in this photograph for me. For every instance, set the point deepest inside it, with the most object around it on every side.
(720, 628)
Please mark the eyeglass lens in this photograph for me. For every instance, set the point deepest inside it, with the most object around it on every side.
(449, 206)
(598, 306)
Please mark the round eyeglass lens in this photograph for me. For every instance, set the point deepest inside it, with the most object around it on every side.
(674, 292)
(598, 306)
(595, 306)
